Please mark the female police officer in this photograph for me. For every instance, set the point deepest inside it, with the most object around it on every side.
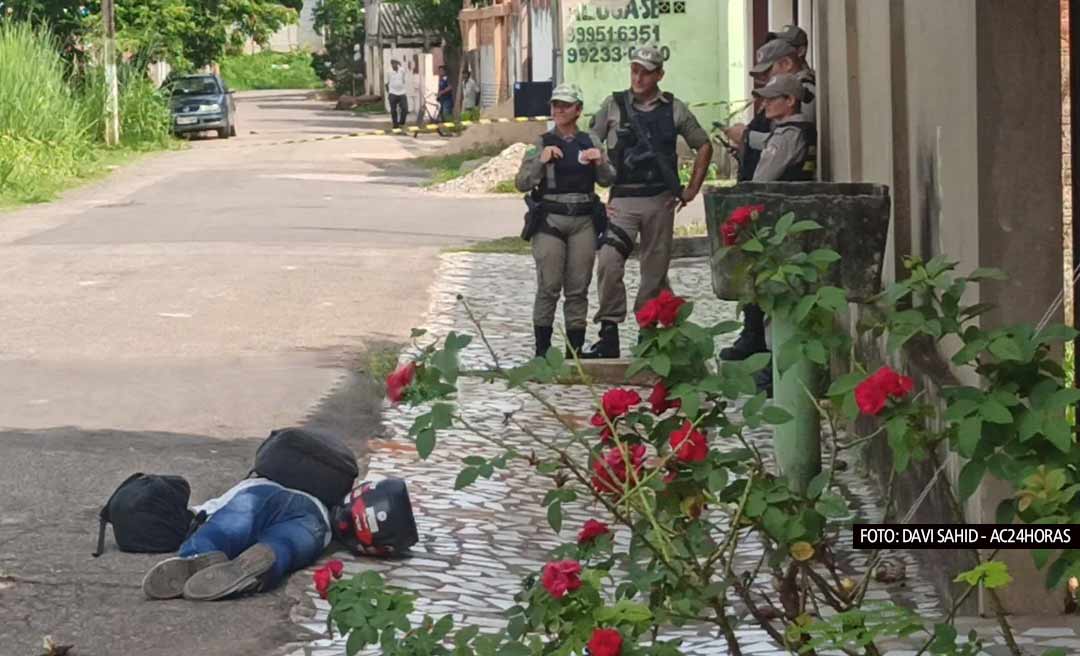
(562, 171)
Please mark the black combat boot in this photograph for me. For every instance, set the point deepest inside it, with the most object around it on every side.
(608, 344)
(764, 381)
(575, 340)
(752, 338)
(543, 339)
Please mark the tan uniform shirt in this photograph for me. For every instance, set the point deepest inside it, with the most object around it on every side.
(756, 140)
(784, 146)
(605, 123)
(532, 172)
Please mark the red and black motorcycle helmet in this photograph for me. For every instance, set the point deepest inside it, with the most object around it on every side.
(376, 519)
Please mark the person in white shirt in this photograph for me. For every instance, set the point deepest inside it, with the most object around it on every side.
(471, 99)
(397, 88)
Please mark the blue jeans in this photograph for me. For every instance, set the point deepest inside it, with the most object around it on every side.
(289, 523)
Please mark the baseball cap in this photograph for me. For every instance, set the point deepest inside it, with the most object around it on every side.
(648, 56)
(781, 85)
(793, 34)
(570, 93)
(770, 53)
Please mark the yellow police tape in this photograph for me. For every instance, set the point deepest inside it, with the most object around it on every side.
(433, 127)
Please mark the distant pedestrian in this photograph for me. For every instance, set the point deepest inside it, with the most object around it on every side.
(471, 92)
(563, 169)
(445, 95)
(397, 89)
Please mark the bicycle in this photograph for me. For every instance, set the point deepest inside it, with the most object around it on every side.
(432, 113)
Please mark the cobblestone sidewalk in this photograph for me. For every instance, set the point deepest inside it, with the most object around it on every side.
(478, 544)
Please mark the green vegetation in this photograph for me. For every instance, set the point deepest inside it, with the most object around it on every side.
(510, 245)
(52, 122)
(691, 230)
(505, 187)
(447, 167)
(270, 70)
(341, 22)
(367, 109)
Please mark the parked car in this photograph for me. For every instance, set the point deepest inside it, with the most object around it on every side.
(200, 103)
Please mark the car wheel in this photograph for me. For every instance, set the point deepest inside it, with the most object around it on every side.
(232, 130)
(223, 133)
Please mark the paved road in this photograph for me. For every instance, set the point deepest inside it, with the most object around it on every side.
(166, 319)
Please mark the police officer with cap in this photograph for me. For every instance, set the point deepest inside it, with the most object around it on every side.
(790, 144)
(640, 127)
(562, 170)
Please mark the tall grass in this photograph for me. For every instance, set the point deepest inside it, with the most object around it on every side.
(270, 70)
(52, 125)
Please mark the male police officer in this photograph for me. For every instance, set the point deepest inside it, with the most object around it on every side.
(790, 144)
(563, 169)
(640, 127)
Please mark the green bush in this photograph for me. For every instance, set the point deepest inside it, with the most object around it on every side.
(270, 70)
(52, 123)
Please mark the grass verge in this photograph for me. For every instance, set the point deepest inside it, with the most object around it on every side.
(447, 167)
(270, 70)
(509, 245)
(505, 187)
(369, 108)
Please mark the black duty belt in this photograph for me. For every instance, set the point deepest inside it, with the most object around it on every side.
(622, 191)
(567, 209)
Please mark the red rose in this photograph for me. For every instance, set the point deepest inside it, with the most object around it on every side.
(610, 473)
(592, 530)
(605, 642)
(397, 382)
(730, 232)
(336, 567)
(617, 402)
(560, 577)
(689, 445)
(322, 578)
(648, 315)
(872, 394)
(669, 307)
(659, 399)
(739, 218)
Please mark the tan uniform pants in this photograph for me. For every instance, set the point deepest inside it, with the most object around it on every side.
(653, 219)
(566, 268)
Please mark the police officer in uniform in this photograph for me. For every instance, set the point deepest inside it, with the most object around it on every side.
(784, 52)
(562, 170)
(791, 143)
(640, 127)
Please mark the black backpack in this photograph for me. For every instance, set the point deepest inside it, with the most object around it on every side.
(301, 459)
(148, 513)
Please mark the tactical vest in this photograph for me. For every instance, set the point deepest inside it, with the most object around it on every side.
(803, 170)
(750, 157)
(571, 176)
(659, 125)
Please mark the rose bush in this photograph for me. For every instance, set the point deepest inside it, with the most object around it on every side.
(679, 473)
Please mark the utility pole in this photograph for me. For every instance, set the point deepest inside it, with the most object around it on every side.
(112, 88)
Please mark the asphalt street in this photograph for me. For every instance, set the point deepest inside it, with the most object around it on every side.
(166, 319)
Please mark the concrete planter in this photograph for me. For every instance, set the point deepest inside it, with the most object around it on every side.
(855, 218)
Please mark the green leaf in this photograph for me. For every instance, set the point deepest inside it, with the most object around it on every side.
(1064, 397)
(1054, 651)
(661, 364)
(775, 523)
(628, 611)
(466, 477)
(554, 516)
(425, 443)
(832, 506)
(986, 273)
(805, 306)
(995, 413)
(755, 363)
(754, 405)
(817, 485)
(960, 408)
(1059, 432)
(1056, 333)
(725, 327)
(753, 246)
(992, 574)
(783, 226)
(514, 649)
(355, 643)
(441, 415)
(691, 403)
(969, 435)
(1006, 348)
(970, 477)
(806, 226)
(815, 351)
(718, 480)
(845, 384)
(833, 298)
(1041, 557)
(555, 358)
(776, 415)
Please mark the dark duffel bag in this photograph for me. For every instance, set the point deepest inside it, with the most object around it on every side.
(148, 513)
(309, 461)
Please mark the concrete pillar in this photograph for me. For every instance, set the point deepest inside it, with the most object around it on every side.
(1020, 204)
